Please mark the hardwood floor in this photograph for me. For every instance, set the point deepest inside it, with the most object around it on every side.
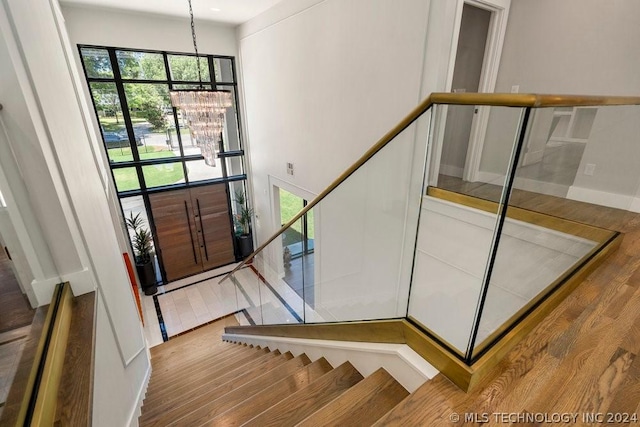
(581, 359)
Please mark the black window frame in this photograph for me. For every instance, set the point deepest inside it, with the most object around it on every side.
(137, 163)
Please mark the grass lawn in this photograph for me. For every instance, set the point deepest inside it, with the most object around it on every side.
(109, 123)
(156, 175)
(146, 152)
(289, 206)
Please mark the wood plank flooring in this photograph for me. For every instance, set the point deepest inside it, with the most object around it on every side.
(582, 359)
(233, 384)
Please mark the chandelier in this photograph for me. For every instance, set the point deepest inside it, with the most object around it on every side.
(203, 110)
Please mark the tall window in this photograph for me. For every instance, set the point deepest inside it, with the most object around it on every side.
(147, 142)
(146, 139)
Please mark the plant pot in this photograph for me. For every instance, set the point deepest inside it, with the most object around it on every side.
(245, 245)
(147, 276)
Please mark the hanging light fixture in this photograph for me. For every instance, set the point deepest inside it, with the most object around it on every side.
(203, 109)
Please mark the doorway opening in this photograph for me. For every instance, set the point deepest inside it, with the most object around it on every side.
(478, 30)
(470, 54)
(298, 246)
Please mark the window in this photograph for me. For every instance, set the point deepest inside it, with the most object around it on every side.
(146, 140)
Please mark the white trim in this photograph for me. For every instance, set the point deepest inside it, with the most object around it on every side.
(493, 51)
(490, 178)
(137, 409)
(489, 75)
(527, 184)
(404, 364)
(549, 188)
(43, 290)
(451, 170)
(21, 229)
(279, 12)
(81, 281)
(581, 194)
(274, 201)
(125, 362)
(604, 198)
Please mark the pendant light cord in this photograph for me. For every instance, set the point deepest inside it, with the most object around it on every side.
(195, 44)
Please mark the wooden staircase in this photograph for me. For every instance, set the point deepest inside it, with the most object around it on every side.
(219, 383)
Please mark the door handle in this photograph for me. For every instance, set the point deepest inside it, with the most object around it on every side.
(204, 242)
(193, 246)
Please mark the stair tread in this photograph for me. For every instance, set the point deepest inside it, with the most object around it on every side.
(205, 336)
(210, 380)
(209, 405)
(205, 372)
(164, 375)
(169, 350)
(268, 397)
(304, 402)
(411, 410)
(181, 404)
(362, 404)
(211, 351)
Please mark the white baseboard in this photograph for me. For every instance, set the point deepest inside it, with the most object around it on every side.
(43, 290)
(581, 194)
(604, 198)
(451, 170)
(535, 186)
(405, 365)
(81, 281)
(142, 393)
(526, 184)
(490, 178)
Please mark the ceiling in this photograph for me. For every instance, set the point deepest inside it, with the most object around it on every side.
(227, 11)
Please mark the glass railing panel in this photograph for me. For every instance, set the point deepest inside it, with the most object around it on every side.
(575, 178)
(592, 158)
(247, 288)
(264, 289)
(364, 234)
(281, 279)
(350, 256)
(458, 220)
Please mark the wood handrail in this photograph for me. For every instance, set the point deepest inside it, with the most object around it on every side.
(519, 100)
(530, 100)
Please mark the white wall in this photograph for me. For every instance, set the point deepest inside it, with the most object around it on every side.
(323, 81)
(107, 27)
(33, 212)
(118, 391)
(575, 46)
(584, 47)
(74, 215)
(322, 85)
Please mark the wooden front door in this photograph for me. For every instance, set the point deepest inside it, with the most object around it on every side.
(214, 227)
(193, 229)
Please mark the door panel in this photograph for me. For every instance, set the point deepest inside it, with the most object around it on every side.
(215, 236)
(176, 233)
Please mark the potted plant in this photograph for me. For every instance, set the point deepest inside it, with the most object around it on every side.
(142, 243)
(242, 221)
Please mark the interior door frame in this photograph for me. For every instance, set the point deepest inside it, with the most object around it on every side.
(274, 185)
(493, 51)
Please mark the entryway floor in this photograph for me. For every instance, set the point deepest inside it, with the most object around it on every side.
(247, 298)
